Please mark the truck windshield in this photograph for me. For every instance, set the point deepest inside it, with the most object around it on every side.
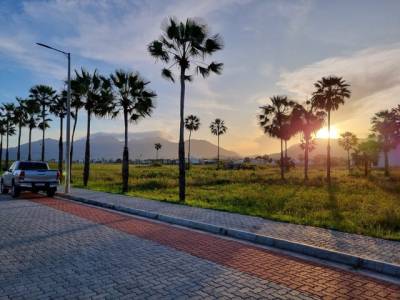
(32, 166)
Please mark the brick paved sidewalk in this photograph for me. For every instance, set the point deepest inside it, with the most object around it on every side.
(353, 244)
(293, 278)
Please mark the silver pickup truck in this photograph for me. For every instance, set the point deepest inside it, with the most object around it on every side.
(29, 176)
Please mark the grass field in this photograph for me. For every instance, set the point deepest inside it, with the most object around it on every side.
(369, 206)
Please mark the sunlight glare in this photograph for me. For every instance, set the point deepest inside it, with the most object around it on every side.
(323, 133)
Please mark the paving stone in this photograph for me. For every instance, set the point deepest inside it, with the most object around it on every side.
(353, 244)
(50, 254)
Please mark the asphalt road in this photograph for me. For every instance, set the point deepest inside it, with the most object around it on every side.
(52, 248)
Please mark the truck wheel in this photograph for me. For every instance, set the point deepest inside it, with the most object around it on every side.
(50, 192)
(15, 191)
(3, 189)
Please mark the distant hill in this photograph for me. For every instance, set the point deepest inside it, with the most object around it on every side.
(110, 145)
(294, 151)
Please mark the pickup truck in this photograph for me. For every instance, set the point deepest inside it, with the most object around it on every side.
(29, 176)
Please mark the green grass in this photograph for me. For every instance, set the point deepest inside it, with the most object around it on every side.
(369, 206)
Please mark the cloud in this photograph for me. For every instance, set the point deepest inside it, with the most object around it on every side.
(295, 12)
(372, 74)
(113, 31)
(22, 52)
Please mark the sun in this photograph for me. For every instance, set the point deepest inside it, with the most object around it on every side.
(323, 133)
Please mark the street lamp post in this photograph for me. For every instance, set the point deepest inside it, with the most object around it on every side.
(68, 142)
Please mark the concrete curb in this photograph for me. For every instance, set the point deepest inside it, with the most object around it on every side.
(330, 255)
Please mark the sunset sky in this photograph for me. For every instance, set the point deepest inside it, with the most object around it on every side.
(271, 47)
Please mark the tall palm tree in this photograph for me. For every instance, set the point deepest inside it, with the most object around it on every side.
(348, 141)
(218, 128)
(330, 93)
(77, 103)
(384, 125)
(59, 108)
(32, 109)
(186, 44)
(44, 95)
(21, 119)
(273, 118)
(157, 146)
(98, 102)
(136, 101)
(8, 113)
(306, 119)
(192, 123)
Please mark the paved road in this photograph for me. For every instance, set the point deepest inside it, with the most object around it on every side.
(53, 248)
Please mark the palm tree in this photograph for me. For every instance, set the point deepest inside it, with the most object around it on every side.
(273, 118)
(192, 123)
(77, 103)
(187, 44)
(98, 101)
(218, 128)
(348, 141)
(136, 101)
(384, 125)
(307, 119)
(8, 113)
(59, 108)
(157, 146)
(21, 119)
(329, 95)
(44, 95)
(32, 110)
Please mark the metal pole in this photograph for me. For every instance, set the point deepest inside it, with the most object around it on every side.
(68, 142)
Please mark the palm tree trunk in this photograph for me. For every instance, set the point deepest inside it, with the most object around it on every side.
(190, 135)
(365, 166)
(19, 141)
(6, 161)
(286, 158)
(348, 161)
(282, 171)
(86, 167)
(72, 143)
(44, 129)
(156, 155)
(218, 151)
(30, 144)
(181, 152)
(386, 154)
(328, 154)
(60, 146)
(306, 159)
(125, 156)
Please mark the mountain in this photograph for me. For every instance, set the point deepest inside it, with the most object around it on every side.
(294, 151)
(110, 145)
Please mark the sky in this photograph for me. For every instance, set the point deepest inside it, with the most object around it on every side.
(270, 48)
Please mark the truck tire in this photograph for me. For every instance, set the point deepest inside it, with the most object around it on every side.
(3, 189)
(15, 191)
(50, 192)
